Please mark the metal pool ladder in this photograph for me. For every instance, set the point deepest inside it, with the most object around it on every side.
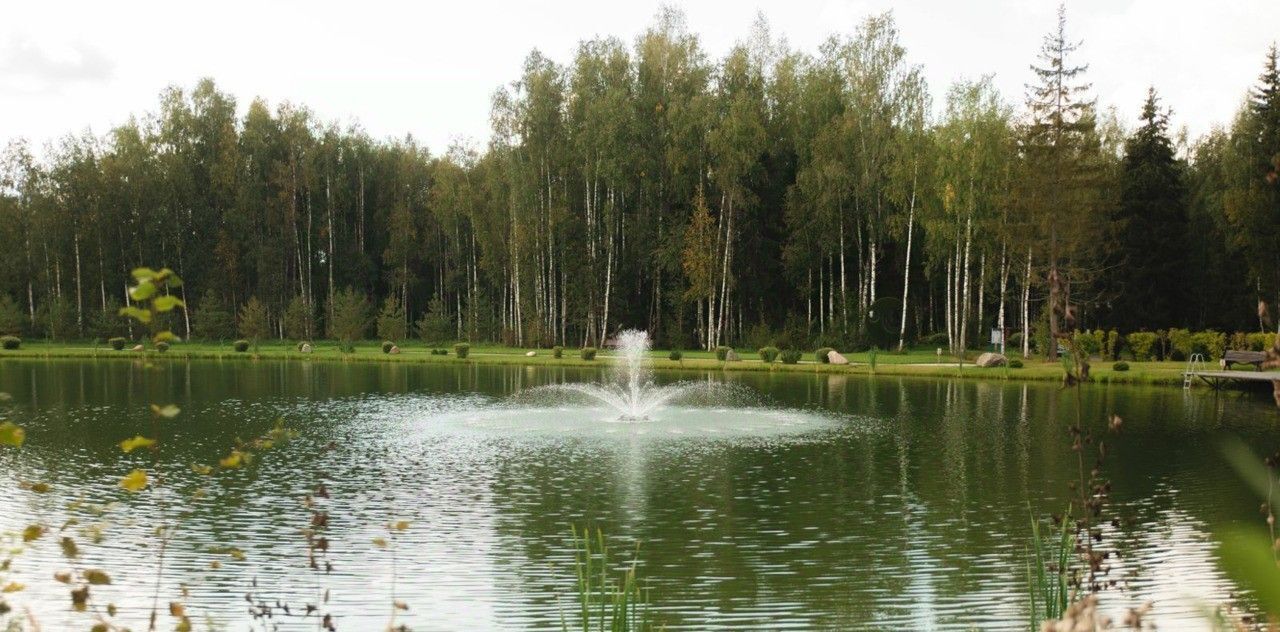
(1195, 363)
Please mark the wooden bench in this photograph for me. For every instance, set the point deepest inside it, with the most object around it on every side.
(1256, 358)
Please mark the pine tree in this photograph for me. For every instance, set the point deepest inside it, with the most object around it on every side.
(1153, 217)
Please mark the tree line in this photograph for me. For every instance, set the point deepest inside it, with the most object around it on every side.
(772, 196)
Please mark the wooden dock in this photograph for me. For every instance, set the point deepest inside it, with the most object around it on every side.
(1217, 379)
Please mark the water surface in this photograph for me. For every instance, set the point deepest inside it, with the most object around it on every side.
(825, 502)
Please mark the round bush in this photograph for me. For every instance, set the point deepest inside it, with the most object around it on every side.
(240, 346)
(116, 343)
(386, 346)
(557, 352)
(821, 355)
(162, 346)
(791, 356)
(768, 354)
(722, 353)
(1120, 366)
(588, 353)
(10, 342)
(676, 355)
(462, 350)
(1015, 363)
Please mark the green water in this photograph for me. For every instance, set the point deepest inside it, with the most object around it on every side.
(788, 502)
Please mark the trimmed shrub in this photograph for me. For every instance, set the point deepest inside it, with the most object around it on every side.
(676, 355)
(1142, 343)
(557, 352)
(387, 345)
(440, 352)
(1211, 343)
(1259, 341)
(1238, 341)
(10, 342)
(1120, 366)
(1015, 363)
(1113, 344)
(1088, 343)
(116, 343)
(588, 353)
(768, 354)
(1015, 340)
(722, 353)
(821, 355)
(240, 346)
(162, 346)
(1180, 344)
(790, 356)
(462, 350)
(938, 339)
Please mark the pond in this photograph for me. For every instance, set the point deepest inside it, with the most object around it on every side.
(788, 501)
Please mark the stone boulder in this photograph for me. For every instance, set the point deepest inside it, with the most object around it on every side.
(731, 356)
(988, 360)
(394, 350)
(834, 357)
(305, 348)
(530, 354)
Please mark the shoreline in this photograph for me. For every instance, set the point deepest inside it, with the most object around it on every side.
(911, 364)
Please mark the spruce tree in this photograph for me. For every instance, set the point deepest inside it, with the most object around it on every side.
(1153, 227)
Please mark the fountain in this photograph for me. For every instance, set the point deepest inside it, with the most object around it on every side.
(632, 394)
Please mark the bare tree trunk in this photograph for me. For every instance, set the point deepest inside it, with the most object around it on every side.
(966, 285)
(1026, 309)
(79, 295)
(1004, 286)
(906, 268)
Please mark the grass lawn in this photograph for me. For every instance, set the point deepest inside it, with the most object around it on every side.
(915, 362)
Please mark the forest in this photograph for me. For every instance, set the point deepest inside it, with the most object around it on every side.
(772, 196)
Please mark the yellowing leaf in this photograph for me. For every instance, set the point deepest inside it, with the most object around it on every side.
(166, 336)
(140, 315)
(12, 587)
(400, 525)
(144, 274)
(167, 302)
(134, 481)
(236, 554)
(129, 445)
(168, 411)
(12, 435)
(33, 532)
(400, 605)
(176, 609)
(380, 543)
(39, 488)
(69, 547)
(143, 291)
(201, 469)
(96, 577)
(232, 460)
(63, 577)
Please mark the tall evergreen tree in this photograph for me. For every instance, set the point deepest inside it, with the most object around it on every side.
(1153, 223)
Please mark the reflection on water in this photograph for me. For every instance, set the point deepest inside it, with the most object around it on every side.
(823, 502)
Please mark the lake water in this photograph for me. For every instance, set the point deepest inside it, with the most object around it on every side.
(792, 501)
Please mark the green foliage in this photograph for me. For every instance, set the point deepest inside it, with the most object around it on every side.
(435, 326)
(298, 321)
(1112, 344)
(822, 356)
(1142, 344)
(1212, 344)
(349, 320)
(1015, 363)
(212, 319)
(1088, 343)
(1259, 342)
(10, 342)
(12, 318)
(387, 345)
(768, 354)
(934, 340)
(1048, 574)
(791, 356)
(255, 323)
(676, 355)
(1180, 343)
(588, 353)
(117, 343)
(605, 603)
(557, 352)
(461, 350)
(240, 346)
(1248, 552)
(1120, 366)
(162, 346)
(56, 318)
(722, 353)
(392, 324)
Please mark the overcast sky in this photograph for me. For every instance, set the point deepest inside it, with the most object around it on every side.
(429, 68)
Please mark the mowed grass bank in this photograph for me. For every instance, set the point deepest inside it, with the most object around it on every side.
(917, 362)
